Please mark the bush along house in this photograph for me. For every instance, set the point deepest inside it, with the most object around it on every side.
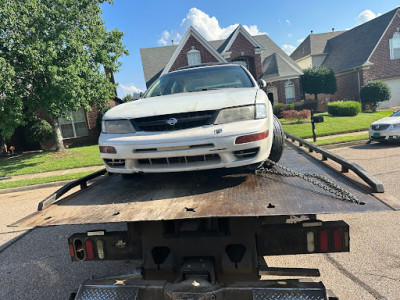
(259, 54)
(370, 51)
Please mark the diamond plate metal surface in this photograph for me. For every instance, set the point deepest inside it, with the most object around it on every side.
(289, 295)
(107, 293)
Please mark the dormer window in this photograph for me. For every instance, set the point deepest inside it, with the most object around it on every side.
(193, 57)
(394, 45)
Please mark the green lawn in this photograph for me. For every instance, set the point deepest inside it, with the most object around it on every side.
(335, 125)
(51, 161)
(341, 139)
(32, 181)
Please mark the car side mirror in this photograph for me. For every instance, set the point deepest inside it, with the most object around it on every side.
(261, 83)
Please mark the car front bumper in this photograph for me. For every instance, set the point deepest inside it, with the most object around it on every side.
(207, 147)
(384, 135)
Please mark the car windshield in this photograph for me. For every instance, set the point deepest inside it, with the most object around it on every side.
(200, 79)
(396, 114)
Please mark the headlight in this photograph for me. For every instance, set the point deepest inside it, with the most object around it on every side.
(243, 113)
(396, 126)
(117, 126)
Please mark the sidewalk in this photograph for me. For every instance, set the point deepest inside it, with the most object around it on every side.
(52, 173)
(337, 135)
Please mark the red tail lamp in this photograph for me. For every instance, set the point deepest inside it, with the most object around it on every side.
(89, 249)
(251, 138)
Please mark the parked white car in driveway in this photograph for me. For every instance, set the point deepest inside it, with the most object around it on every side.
(198, 118)
(386, 129)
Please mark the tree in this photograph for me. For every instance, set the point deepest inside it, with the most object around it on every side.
(58, 50)
(374, 92)
(127, 98)
(10, 103)
(317, 80)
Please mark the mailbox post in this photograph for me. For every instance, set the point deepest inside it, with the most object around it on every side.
(315, 119)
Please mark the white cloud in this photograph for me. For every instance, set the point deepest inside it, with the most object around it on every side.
(288, 22)
(300, 40)
(129, 88)
(207, 26)
(288, 48)
(366, 15)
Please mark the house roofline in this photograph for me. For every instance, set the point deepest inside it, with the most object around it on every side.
(240, 29)
(196, 35)
(397, 13)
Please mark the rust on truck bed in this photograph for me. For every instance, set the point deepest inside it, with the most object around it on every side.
(154, 197)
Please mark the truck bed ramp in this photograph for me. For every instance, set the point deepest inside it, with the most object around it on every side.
(154, 197)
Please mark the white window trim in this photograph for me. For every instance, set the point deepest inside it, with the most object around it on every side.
(193, 57)
(290, 85)
(396, 37)
(72, 122)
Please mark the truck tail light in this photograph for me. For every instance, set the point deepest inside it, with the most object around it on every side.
(323, 241)
(89, 249)
(251, 138)
(304, 238)
(102, 245)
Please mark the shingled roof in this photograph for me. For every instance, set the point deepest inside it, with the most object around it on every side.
(155, 59)
(346, 49)
(354, 47)
(314, 44)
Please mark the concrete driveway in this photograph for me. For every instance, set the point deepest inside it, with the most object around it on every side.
(35, 263)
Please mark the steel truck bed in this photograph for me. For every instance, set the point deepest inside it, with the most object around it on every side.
(155, 197)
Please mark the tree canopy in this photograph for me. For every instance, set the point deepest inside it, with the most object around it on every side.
(317, 80)
(374, 92)
(55, 53)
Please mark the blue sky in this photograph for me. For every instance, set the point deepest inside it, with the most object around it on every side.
(287, 23)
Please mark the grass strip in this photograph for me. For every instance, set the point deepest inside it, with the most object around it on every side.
(341, 139)
(336, 125)
(50, 161)
(41, 180)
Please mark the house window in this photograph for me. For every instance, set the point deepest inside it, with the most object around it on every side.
(394, 45)
(75, 125)
(289, 92)
(242, 61)
(193, 57)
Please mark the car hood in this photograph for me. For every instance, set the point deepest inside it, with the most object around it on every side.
(387, 120)
(183, 102)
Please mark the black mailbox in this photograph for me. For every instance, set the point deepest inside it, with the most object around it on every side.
(317, 119)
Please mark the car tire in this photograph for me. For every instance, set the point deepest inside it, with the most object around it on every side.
(278, 141)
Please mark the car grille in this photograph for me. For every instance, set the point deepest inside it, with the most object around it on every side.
(248, 153)
(175, 121)
(380, 127)
(115, 163)
(180, 160)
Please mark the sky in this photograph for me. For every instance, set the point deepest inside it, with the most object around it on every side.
(157, 23)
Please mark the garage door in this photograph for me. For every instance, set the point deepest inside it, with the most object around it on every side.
(394, 85)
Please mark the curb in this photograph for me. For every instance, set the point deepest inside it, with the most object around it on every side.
(34, 187)
(346, 144)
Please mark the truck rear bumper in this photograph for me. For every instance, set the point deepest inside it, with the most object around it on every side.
(199, 289)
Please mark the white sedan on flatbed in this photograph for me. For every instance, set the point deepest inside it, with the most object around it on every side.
(386, 129)
(198, 118)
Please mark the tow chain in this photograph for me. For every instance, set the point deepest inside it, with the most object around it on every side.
(315, 179)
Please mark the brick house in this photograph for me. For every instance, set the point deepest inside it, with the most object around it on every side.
(370, 51)
(259, 54)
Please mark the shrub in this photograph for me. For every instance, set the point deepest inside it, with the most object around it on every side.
(306, 104)
(344, 108)
(280, 107)
(38, 130)
(374, 92)
(299, 116)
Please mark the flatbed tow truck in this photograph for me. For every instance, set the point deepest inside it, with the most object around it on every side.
(205, 235)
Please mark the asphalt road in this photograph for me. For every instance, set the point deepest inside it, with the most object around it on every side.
(35, 263)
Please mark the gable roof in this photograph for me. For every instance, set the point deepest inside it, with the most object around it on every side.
(233, 36)
(276, 66)
(349, 49)
(354, 47)
(155, 60)
(314, 44)
(191, 32)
